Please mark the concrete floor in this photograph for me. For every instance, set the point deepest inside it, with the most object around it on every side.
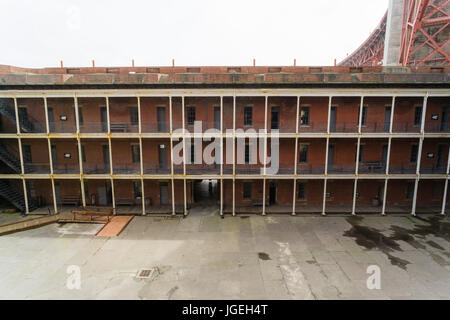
(205, 257)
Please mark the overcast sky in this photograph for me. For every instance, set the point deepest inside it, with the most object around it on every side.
(194, 32)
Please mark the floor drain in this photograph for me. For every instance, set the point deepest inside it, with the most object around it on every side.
(145, 273)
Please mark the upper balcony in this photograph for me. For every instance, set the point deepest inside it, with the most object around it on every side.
(204, 114)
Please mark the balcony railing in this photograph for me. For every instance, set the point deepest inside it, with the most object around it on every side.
(96, 168)
(249, 169)
(405, 127)
(403, 168)
(62, 127)
(94, 127)
(155, 170)
(344, 127)
(124, 127)
(155, 127)
(376, 127)
(126, 168)
(313, 127)
(310, 168)
(437, 127)
(37, 168)
(202, 169)
(433, 169)
(341, 169)
(377, 167)
(66, 169)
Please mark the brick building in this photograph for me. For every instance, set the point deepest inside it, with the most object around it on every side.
(350, 140)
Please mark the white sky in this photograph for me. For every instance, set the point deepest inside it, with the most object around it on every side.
(193, 32)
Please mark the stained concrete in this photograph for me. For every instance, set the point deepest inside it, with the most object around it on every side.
(205, 257)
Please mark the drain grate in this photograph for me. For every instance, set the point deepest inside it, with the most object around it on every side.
(145, 273)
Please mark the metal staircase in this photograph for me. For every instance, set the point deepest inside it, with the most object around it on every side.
(15, 198)
(26, 126)
(8, 159)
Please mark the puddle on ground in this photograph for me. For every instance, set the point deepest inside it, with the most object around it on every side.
(371, 238)
(264, 256)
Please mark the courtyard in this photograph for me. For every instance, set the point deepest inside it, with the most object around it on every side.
(206, 257)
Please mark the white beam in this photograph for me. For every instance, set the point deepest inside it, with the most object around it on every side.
(383, 210)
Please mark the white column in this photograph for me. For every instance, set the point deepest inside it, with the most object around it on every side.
(172, 185)
(110, 156)
(234, 135)
(221, 155)
(141, 161)
(184, 155)
(444, 198)
(324, 204)
(391, 125)
(234, 155)
(419, 153)
(265, 153)
(294, 197)
(296, 139)
(383, 211)
(185, 197)
(55, 204)
(22, 167)
(80, 150)
(355, 190)
(329, 113)
(234, 196)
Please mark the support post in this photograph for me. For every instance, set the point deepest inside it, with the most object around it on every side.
(55, 204)
(266, 104)
(383, 210)
(296, 139)
(294, 198)
(221, 155)
(172, 185)
(324, 204)
(80, 149)
(444, 198)
(22, 167)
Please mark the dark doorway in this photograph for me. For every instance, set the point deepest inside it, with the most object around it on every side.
(206, 197)
(162, 156)
(275, 119)
(330, 156)
(444, 121)
(51, 120)
(387, 119)
(161, 119)
(272, 193)
(333, 119)
(104, 119)
(164, 193)
(217, 118)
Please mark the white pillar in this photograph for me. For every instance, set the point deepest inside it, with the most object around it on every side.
(55, 204)
(221, 155)
(266, 104)
(383, 210)
(324, 197)
(294, 197)
(355, 190)
(22, 167)
(391, 124)
(444, 198)
(172, 185)
(296, 138)
(80, 150)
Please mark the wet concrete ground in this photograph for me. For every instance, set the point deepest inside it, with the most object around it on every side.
(205, 257)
